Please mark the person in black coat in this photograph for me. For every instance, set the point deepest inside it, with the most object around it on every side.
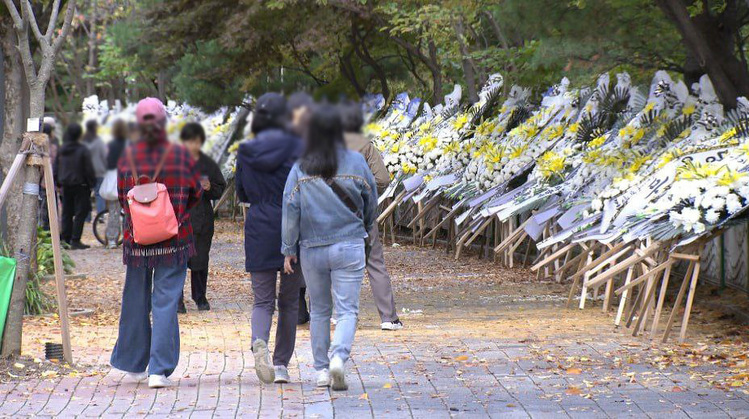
(201, 215)
(263, 164)
(74, 173)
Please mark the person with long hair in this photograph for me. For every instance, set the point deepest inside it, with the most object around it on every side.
(263, 164)
(329, 204)
(299, 106)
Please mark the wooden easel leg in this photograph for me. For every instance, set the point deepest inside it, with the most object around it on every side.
(54, 228)
(677, 303)
(661, 299)
(586, 277)
(623, 300)
(690, 299)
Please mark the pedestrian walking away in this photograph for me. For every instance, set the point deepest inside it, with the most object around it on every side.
(263, 164)
(155, 273)
(98, 158)
(300, 105)
(201, 216)
(75, 176)
(114, 151)
(330, 201)
(379, 279)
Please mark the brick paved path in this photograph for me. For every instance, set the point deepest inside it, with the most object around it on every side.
(479, 348)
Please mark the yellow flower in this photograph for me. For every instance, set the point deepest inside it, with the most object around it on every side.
(597, 142)
(573, 128)
(649, 107)
(669, 157)
(516, 152)
(428, 143)
(727, 136)
(395, 148)
(551, 164)
(553, 132)
(693, 171)
(637, 163)
(689, 109)
(460, 122)
(730, 178)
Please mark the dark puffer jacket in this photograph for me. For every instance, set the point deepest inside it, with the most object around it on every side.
(73, 166)
(263, 164)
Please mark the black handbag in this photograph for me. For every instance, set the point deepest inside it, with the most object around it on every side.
(349, 203)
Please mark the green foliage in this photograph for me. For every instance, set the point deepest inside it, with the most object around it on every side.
(37, 301)
(201, 77)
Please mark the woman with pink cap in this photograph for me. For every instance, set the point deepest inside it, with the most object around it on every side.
(149, 329)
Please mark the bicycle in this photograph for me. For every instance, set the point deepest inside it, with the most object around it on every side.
(100, 226)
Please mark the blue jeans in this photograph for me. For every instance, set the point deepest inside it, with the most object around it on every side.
(333, 275)
(101, 203)
(149, 291)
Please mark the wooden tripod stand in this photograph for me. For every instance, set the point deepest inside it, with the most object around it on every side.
(35, 152)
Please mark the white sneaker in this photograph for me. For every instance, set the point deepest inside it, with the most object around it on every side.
(263, 367)
(323, 378)
(394, 325)
(282, 374)
(137, 377)
(337, 375)
(159, 381)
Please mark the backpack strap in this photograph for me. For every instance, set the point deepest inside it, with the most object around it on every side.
(131, 162)
(134, 171)
(344, 197)
(162, 161)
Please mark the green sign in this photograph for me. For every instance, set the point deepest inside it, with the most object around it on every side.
(7, 276)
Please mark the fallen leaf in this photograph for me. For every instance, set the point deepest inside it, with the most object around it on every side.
(364, 396)
(573, 391)
(574, 371)
(462, 358)
(387, 385)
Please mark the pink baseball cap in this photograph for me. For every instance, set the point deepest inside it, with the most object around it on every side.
(150, 106)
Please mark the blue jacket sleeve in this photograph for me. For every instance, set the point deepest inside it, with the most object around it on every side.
(291, 214)
(241, 195)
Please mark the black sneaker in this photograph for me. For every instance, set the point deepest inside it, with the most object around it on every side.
(77, 245)
(181, 309)
(203, 305)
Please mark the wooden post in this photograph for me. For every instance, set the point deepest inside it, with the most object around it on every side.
(54, 229)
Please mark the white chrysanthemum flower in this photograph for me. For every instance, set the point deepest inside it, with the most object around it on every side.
(733, 204)
(712, 216)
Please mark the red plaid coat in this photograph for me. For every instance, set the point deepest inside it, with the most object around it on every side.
(182, 181)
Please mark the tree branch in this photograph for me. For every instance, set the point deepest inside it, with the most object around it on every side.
(17, 19)
(52, 21)
(65, 26)
(31, 20)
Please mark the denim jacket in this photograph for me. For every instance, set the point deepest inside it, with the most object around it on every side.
(313, 215)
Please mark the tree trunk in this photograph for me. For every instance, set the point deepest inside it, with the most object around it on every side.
(91, 66)
(13, 117)
(710, 38)
(434, 67)
(467, 62)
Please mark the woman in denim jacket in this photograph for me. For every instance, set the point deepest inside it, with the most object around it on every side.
(330, 202)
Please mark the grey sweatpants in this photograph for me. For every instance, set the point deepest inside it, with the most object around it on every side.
(379, 280)
(264, 290)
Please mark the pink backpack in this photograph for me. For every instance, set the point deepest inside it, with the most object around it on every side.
(151, 210)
